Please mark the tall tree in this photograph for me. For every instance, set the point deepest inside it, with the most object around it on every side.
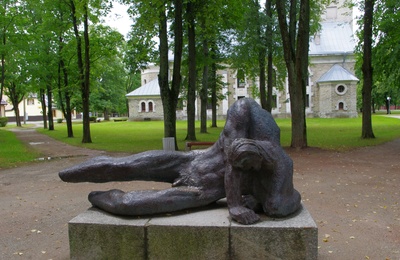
(151, 18)
(169, 95)
(295, 31)
(5, 23)
(191, 94)
(386, 52)
(270, 52)
(14, 52)
(367, 71)
(83, 61)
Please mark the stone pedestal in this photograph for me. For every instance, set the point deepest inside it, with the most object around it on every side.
(205, 234)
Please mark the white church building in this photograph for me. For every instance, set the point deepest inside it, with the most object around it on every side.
(331, 92)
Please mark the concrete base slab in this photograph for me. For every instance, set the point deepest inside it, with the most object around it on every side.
(205, 234)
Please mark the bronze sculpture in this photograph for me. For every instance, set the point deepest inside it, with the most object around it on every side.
(246, 165)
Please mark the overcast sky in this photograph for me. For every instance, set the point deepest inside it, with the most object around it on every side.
(119, 19)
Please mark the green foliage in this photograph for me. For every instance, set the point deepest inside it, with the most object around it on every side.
(385, 51)
(3, 121)
(13, 151)
(336, 134)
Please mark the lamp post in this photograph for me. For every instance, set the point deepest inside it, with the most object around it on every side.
(388, 104)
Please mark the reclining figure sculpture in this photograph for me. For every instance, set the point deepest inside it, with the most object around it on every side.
(246, 165)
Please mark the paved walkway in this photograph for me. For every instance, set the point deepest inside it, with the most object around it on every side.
(49, 147)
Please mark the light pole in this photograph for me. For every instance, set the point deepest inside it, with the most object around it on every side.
(388, 104)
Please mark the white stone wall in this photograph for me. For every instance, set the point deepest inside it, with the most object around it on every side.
(329, 100)
(135, 109)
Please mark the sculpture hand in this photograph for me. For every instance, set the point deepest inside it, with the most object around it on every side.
(243, 215)
(248, 201)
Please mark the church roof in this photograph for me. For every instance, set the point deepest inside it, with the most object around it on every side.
(337, 73)
(333, 38)
(150, 89)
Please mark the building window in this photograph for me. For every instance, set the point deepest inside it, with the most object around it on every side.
(30, 101)
(331, 13)
(150, 106)
(143, 107)
(308, 100)
(341, 106)
(341, 89)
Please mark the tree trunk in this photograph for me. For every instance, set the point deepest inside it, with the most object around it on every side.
(261, 67)
(262, 53)
(191, 94)
(67, 112)
(81, 70)
(44, 110)
(106, 115)
(299, 139)
(3, 60)
(15, 100)
(3, 72)
(66, 109)
(295, 66)
(204, 90)
(86, 138)
(367, 71)
(270, 81)
(50, 106)
(213, 83)
(169, 96)
(68, 116)
(270, 69)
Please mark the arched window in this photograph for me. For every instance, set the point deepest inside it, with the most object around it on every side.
(341, 106)
(143, 107)
(150, 106)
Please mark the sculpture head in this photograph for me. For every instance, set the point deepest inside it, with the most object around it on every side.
(245, 154)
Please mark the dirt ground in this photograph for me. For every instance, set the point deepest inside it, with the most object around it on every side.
(352, 196)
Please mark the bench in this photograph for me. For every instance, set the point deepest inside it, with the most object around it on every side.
(190, 144)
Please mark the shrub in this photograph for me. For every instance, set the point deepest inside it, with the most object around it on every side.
(59, 120)
(93, 118)
(3, 121)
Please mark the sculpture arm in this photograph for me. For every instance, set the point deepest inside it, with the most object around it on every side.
(233, 190)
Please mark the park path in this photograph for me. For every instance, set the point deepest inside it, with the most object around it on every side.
(49, 147)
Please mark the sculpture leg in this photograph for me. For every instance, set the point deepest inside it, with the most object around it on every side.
(163, 166)
(136, 203)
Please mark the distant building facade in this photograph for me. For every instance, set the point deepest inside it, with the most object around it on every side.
(331, 90)
(30, 109)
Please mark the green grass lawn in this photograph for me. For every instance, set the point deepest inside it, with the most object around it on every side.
(13, 151)
(333, 133)
(132, 137)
